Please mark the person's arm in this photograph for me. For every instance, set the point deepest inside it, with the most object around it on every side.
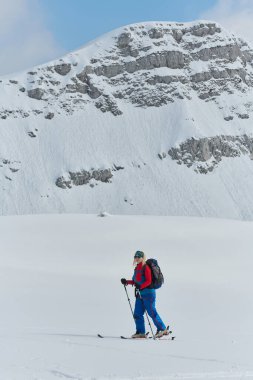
(127, 282)
(148, 278)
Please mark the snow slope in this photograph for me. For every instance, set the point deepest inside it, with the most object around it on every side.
(60, 286)
(152, 118)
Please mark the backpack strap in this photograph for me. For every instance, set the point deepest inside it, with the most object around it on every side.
(144, 269)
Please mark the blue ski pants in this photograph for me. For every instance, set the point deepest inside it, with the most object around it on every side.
(147, 302)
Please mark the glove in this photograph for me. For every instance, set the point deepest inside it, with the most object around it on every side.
(123, 281)
(138, 286)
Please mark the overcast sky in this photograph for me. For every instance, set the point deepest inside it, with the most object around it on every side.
(36, 31)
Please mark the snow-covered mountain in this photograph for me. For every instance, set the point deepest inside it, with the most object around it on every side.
(152, 118)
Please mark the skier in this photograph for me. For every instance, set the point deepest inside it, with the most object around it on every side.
(145, 297)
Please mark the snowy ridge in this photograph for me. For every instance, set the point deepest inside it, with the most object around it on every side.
(148, 106)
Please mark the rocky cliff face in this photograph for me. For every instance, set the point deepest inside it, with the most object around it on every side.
(147, 65)
(206, 153)
(144, 96)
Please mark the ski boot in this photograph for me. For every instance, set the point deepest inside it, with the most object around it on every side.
(161, 333)
(138, 335)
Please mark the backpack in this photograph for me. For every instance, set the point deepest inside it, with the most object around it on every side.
(157, 276)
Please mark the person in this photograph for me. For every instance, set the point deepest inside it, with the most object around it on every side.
(145, 297)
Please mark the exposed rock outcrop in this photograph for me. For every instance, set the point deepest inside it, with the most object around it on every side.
(123, 40)
(36, 93)
(205, 154)
(49, 115)
(83, 177)
(63, 68)
(9, 169)
(107, 104)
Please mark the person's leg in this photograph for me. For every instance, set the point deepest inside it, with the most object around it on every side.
(149, 304)
(139, 316)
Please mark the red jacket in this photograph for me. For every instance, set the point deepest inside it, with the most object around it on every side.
(139, 274)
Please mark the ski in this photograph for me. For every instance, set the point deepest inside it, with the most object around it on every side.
(168, 336)
(118, 337)
(165, 337)
(129, 337)
(107, 336)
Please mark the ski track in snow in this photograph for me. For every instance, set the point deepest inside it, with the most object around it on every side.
(65, 375)
(146, 341)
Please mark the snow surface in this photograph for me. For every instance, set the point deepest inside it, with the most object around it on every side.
(60, 286)
(146, 186)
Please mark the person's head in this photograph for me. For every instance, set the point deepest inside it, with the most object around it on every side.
(139, 257)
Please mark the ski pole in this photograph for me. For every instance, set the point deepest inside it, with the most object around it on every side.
(139, 294)
(129, 302)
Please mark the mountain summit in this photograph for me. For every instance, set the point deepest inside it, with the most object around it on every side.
(152, 118)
